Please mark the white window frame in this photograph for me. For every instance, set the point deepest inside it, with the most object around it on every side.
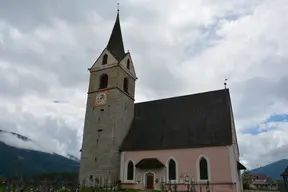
(126, 172)
(167, 170)
(198, 169)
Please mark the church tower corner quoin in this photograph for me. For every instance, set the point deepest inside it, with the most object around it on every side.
(109, 110)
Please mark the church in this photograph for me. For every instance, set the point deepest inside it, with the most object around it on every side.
(182, 140)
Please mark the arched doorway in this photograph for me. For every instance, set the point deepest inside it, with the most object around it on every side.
(149, 180)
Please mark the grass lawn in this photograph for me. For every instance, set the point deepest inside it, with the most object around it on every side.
(123, 190)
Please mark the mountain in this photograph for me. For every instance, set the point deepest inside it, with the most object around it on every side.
(24, 161)
(272, 170)
(73, 158)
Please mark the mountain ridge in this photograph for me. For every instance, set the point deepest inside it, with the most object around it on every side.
(272, 170)
(27, 139)
(24, 161)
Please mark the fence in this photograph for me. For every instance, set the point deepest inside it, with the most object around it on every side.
(23, 185)
(99, 185)
(39, 186)
(190, 186)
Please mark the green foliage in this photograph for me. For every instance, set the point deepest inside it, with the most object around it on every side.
(247, 177)
(132, 190)
(52, 176)
(63, 190)
(88, 189)
(246, 186)
(262, 188)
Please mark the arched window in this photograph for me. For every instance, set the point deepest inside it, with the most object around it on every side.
(128, 63)
(130, 171)
(172, 170)
(104, 59)
(125, 84)
(103, 81)
(203, 167)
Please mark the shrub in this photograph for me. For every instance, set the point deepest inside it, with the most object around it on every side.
(246, 186)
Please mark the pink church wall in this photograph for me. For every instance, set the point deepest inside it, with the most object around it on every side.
(186, 159)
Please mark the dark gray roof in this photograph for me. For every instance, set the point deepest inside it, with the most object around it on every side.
(149, 163)
(115, 44)
(240, 166)
(198, 120)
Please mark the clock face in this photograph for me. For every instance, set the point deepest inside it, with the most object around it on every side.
(101, 99)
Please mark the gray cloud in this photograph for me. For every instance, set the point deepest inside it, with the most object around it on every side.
(34, 14)
(266, 89)
(52, 132)
(180, 48)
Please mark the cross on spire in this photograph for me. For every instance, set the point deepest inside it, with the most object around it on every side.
(115, 44)
(225, 83)
(118, 7)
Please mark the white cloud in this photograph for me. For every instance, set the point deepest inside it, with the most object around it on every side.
(12, 140)
(178, 47)
(270, 146)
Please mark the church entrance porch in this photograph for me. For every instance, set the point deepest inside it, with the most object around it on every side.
(152, 170)
(149, 181)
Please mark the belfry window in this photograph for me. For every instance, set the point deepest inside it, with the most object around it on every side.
(130, 171)
(128, 64)
(203, 167)
(172, 170)
(125, 84)
(104, 59)
(103, 81)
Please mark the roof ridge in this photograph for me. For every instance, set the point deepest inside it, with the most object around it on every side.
(183, 96)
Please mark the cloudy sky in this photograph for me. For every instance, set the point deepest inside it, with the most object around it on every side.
(178, 47)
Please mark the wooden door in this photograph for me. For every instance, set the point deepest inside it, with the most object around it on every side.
(149, 181)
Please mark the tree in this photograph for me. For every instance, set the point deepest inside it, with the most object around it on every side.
(247, 179)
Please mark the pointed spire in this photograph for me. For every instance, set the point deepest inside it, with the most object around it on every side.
(115, 44)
